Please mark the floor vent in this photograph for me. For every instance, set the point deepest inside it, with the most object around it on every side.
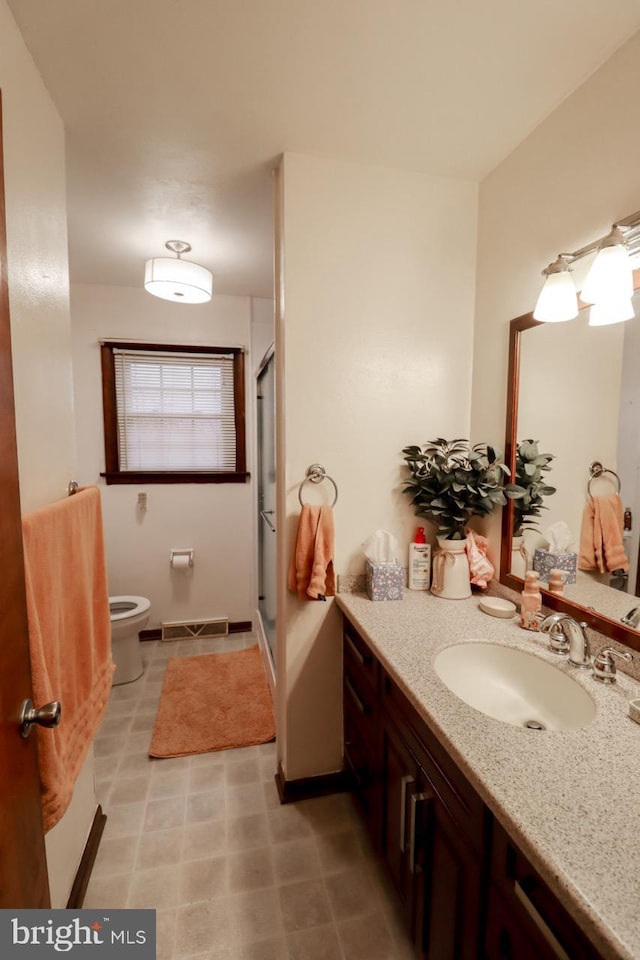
(195, 630)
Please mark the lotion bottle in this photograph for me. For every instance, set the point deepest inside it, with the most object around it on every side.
(419, 562)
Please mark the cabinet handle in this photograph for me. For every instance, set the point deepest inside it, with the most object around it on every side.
(403, 808)
(356, 699)
(354, 649)
(416, 798)
(540, 923)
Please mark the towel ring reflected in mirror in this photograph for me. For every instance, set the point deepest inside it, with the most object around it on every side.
(316, 473)
(596, 470)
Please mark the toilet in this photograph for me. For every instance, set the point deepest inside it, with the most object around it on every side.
(128, 615)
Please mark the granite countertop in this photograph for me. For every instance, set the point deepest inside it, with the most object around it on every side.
(569, 799)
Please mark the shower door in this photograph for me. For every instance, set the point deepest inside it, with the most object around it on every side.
(267, 498)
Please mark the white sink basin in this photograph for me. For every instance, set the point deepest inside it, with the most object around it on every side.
(514, 686)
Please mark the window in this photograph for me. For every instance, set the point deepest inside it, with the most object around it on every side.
(173, 414)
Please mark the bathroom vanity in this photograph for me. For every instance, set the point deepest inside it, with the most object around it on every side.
(502, 842)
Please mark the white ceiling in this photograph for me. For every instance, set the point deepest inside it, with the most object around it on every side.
(175, 112)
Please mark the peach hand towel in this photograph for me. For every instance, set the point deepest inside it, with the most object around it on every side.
(69, 635)
(480, 567)
(601, 546)
(311, 573)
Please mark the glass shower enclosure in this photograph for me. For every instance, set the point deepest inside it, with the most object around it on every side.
(266, 396)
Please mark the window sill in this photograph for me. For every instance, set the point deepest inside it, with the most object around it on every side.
(168, 476)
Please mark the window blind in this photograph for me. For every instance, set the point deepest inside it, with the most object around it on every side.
(175, 411)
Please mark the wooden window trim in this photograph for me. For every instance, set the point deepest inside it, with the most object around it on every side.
(112, 473)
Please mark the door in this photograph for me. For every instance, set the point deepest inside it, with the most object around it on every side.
(399, 793)
(266, 404)
(448, 901)
(23, 870)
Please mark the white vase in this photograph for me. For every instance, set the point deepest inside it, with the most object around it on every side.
(519, 557)
(451, 578)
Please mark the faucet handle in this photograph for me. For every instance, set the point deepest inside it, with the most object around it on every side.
(604, 668)
(558, 640)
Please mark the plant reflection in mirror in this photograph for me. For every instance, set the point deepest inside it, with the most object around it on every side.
(530, 487)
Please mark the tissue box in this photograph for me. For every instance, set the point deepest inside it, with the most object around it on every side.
(385, 581)
(544, 562)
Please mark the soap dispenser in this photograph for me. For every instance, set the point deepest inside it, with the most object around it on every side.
(531, 604)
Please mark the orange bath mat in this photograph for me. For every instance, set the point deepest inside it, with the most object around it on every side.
(213, 702)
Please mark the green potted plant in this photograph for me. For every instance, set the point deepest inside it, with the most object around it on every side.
(528, 493)
(451, 482)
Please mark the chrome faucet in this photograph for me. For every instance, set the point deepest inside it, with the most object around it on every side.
(567, 635)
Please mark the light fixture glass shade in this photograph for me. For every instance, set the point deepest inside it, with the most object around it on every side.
(610, 276)
(606, 312)
(179, 280)
(558, 300)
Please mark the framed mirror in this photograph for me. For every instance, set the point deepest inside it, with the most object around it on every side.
(575, 389)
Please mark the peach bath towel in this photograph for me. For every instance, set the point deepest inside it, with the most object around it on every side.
(601, 545)
(311, 573)
(69, 635)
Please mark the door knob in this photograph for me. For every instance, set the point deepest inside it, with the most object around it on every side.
(45, 716)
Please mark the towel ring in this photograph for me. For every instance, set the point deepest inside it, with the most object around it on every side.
(316, 473)
(597, 470)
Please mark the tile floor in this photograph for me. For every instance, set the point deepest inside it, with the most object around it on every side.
(204, 840)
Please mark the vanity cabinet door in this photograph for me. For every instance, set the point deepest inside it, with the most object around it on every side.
(448, 901)
(399, 812)
(361, 727)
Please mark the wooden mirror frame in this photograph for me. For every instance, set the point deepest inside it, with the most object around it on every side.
(607, 626)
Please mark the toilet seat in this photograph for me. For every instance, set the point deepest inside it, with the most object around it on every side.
(124, 608)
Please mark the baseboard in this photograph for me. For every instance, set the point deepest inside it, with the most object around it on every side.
(304, 789)
(240, 626)
(83, 873)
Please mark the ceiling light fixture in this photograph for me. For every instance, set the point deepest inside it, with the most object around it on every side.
(181, 281)
(609, 283)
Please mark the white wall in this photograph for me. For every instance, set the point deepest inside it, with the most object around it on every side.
(34, 172)
(561, 188)
(215, 519)
(375, 348)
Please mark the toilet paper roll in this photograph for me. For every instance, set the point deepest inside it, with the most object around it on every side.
(180, 562)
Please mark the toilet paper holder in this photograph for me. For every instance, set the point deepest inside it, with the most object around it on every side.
(175, 553)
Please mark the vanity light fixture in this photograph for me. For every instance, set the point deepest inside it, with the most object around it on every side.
(610, 311)
(611, 274)
(558, 300)
(181, 281)
(609, 283)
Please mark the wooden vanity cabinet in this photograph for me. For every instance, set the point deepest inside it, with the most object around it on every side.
(434, 834)
(467, 893)
(425, 820)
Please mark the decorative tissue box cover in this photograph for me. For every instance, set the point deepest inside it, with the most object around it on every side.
(544, 562)
(385, 581)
